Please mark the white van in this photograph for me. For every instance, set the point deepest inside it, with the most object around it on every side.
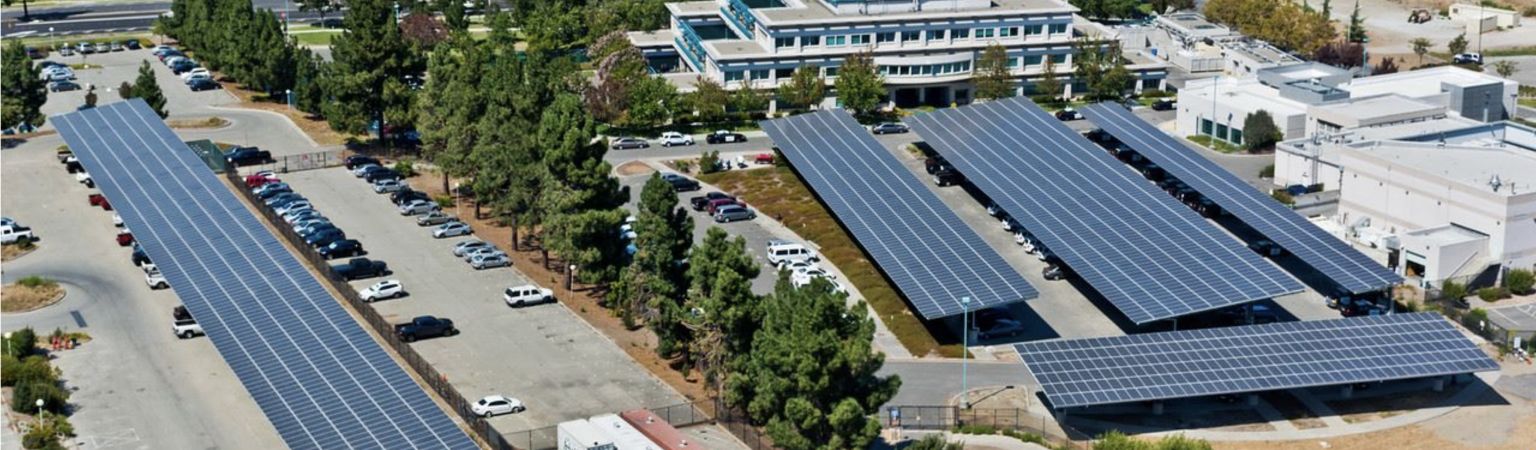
(782, 252)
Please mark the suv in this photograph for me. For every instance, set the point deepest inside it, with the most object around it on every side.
(154, 278)
(359, 268)
(241, 156)
(724, 137)
(782, 252)
(425, 327)
(626, 143)
(342, 248)
(1163, 105)
(672, 138)
(681, 183)
(404, 196)
(355, 161)
(1468, 58)
(701, 202)
(527, 295)
(382, 290)
(889, 128)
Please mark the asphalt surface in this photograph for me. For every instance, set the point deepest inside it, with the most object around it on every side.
(134, 385)
(115, 17)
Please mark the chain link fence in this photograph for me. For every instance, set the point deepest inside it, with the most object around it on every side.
(386, 331)
(947, 418)
(299, 162)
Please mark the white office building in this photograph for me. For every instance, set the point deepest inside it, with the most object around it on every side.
(926, 49)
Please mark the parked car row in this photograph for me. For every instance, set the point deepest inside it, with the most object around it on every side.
(192, 74)
(675, 139)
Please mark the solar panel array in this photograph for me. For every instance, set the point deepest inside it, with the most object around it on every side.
(1150, 256)
(1177, 364)
(322, 381)
(1353, 271)
(933, 257)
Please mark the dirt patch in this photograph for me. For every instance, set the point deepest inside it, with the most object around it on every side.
(27, 295)
(210, 122)
(1292, 409)
(633, 168)
(779, 193)
(10, 252)
(1231, 420)
(1366, 409)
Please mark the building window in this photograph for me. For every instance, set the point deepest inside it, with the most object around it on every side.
(1013, 63)
(1221, 131)
(760, 75)
(960, 33)
(784, 42)
(1059, 59)
(910, 36)
(859, 39)
(983, 33)
(1205, 127)
(1058, 28)
(1008, 32)
(733, 75)
(1033, 60)
(784, 73)
(889, 36)
(936, 35)
(1236, 137)
(837, 41)
(810, 40)
(1034, 30)
(831, 72)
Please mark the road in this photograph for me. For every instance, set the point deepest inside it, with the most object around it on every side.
(114, 17)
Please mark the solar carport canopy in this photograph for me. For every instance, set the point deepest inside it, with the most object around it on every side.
(317, 375)
(931, 256)
(1149, 255)
(1351, 270)
(1178, 364)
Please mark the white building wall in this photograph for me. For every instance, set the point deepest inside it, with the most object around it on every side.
(1444, 261)
(1195, 103)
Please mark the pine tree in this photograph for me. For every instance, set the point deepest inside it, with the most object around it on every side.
(805, 88)
(450, 105)
(24, 92)
(145, 87)
(724, 313)
(993, 79)
(371, 63)
(1356, 31)
(859, 86)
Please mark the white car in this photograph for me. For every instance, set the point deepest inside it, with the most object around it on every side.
(527, 295)
(672, 138)
(451, 229)
(117, 221)
(359, 171)
(387, 185)
(627, 232)
(84, 178)
(489, 260)
(800, 282)
(382, 290)
(294, 207)
(154, 278)
(497, 404)
(1008, 224)
(188, 75)
(799, 266)
(419, 206)
(463, 248)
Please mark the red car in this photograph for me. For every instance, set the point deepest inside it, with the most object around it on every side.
(124, 238)
(259, 179)
(763, 158)
(99, 200)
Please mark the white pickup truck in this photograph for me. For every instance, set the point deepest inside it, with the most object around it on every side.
(183, 325)
(15, 231)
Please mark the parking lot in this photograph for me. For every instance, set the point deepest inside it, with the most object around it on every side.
(134, 385)
(544, 355)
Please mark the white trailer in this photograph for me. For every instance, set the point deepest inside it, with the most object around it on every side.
(582, 435)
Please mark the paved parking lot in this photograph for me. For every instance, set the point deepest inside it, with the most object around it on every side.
(134, 385)
(559, 366)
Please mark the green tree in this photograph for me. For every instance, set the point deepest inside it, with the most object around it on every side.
(1180, 442)
(1167, 6)
(811, 373)
(372, 62)
(858, 85)
(1327, 8)
(805, 88)
(24, 91)
(450, 105)
(1519, 281)
(579, 191)
(1113, 84)
(25, 395)
(1048, 88)
(1505, 68)
(652, 286)
(652, 101)
(994, 80)
(22, 343)
(749, 100)
(308, 86)
(708, 99)
(721, 314)
(1259, 131)
(320, 6)
(1107, 9)
(554, 26)
(1115, 440)
(145, 87)
(1458, 45)
(1356, 31)
(1421, 47)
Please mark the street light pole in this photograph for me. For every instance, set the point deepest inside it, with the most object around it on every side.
(965, 352)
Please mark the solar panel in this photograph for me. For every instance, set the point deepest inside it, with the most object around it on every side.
(1150, 256)
(1177, 364)
(1353, 271)
(322, 381)
(933, 258)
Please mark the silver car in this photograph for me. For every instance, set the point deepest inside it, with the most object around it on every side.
(462, 248)
(418, 206)
(387, 185)
(489, 260)
(434, 218)
(451, 229)
(479, 251)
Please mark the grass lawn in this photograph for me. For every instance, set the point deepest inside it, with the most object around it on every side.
(778, 192)
(315, 37)
(1220, 146)
(1529, 102)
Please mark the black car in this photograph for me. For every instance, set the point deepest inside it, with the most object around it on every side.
(63, 85)
(936, 164)
(35, 53)
(342, 248)
(1068, 115)
(241, 156)
(425, 327)
(183, 66)
(131, 44)
(889, 128)
(202, 84)
(326, 238)
(318, 230)
(404, 196)
(681, 183)
(724, 137)
(702, 201)
(1054, 272)
(383, 174)
(354, 161)
(1162, 105)
(947, 177)
(139, 257)
(359, 268)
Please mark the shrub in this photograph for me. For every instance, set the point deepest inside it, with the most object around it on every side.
(934, 442)
(35, 281)
(25, 396)
(1267, 172)
(444, 200)
(1179, 442)
(44, 433)
(22, 342)
(32, 368)
(709, 162)
(1520, 281)
(1492, 294)
(1115, 440)
(1280, 195)
(1453, 290)
(24, 243)
(406, 168)
(1155, 93)
(683, 165)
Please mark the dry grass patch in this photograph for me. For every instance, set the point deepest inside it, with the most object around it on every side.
(210, 122)
(12, 251)
(29, 294)
(779, 193)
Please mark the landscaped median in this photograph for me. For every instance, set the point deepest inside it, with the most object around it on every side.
(30, 293)
(779, 193)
